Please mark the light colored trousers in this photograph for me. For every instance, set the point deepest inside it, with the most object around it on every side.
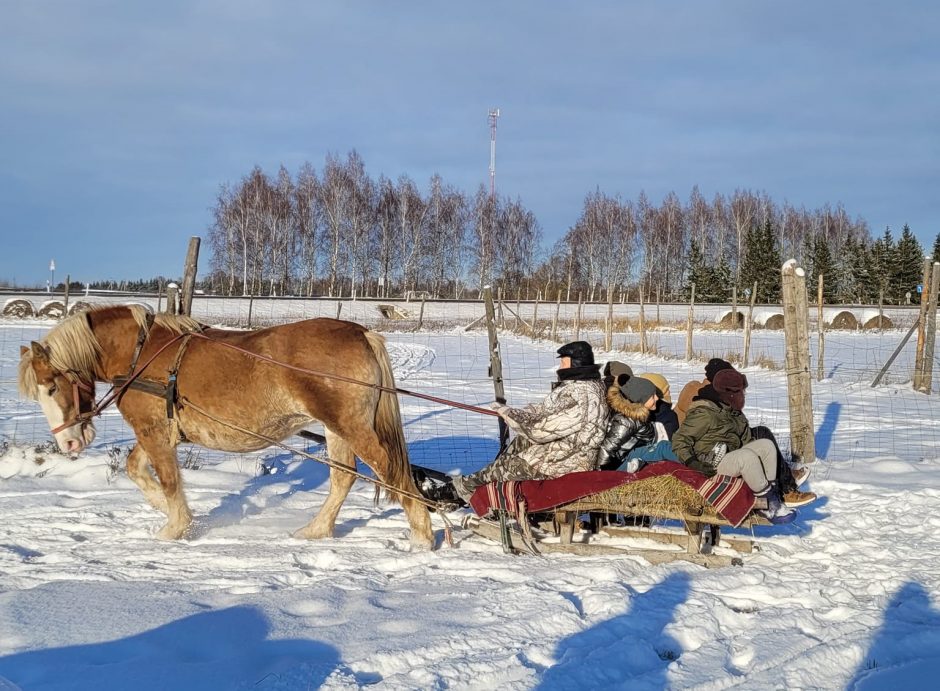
(755, 462)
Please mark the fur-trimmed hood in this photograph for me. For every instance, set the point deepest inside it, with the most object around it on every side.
(629, 409)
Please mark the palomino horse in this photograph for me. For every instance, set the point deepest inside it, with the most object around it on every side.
(226, 387)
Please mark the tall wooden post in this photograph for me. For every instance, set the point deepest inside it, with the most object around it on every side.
(922, 327)
(821, 329)
(421, 313)
(535, 316)
(496, 364)
(189, 277)
(577, 320)
(799, 381)
(881, 309)
(930, 337)
(555, 318)
(642, 324)
(65, 298)
(688, 337)
(734, 308)
(609, 333)
(748, 325)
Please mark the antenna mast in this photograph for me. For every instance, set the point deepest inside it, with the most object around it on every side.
(493, 116)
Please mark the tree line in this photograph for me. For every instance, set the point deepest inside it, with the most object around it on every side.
(338, 232)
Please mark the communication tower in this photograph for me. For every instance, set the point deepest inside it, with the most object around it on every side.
(493, 117)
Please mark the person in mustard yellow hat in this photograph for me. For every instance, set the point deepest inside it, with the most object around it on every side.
(663, 412)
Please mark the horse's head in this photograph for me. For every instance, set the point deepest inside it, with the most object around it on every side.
(65, 397)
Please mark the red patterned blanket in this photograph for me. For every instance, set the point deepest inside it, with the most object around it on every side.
(730, 497)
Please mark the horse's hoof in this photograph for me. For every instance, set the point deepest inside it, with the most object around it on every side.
(422, 543)
(169, 532)
(306, 533)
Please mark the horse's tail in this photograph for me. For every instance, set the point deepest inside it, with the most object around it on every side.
(388, 424)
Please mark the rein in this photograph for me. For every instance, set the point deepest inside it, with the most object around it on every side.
(340, 377)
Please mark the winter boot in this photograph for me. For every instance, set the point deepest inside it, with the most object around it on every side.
(776, 512)
(798, 498)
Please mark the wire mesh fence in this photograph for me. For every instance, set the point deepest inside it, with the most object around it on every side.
(441, 348)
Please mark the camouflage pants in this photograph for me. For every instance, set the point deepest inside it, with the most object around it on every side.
(506, 466)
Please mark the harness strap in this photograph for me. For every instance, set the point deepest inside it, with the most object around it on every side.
(171, 392)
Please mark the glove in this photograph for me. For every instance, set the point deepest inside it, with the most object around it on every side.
(716, 455)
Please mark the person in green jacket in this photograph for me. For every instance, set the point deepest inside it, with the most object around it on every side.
(715, 439)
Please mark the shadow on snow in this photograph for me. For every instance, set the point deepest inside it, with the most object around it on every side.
(629, 651)
(905, 652)
(221, 649)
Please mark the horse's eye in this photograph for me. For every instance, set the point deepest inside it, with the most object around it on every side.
(52, 389)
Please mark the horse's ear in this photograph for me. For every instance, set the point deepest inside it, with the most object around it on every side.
(40, 354)
(23, 350)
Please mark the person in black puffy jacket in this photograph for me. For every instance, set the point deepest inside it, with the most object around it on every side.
(630, 399)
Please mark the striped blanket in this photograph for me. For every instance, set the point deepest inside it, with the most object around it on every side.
(730, 497)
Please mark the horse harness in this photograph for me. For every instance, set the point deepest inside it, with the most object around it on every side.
(167, 391)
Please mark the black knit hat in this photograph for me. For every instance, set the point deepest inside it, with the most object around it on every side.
(580, 353)
(714, 366)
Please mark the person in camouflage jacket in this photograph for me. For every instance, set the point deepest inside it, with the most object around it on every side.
(560, 435)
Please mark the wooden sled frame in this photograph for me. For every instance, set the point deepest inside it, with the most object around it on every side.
(702, 529)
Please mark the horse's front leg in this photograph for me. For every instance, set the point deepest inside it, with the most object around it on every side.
(163, 458)
(340, 483)
(138, 470)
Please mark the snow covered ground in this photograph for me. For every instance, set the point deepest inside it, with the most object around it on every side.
(846, 597)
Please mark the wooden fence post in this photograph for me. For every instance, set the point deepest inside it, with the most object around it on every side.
(931, 328)
(609, 333)
(496, 364)
(642, 324)
(421, 314)
(799, 381)
(172, 298)
(577, 320)
(535, 316)
(922, 327)
(748, 325)
(734, 308)
(688, 337)
(881, 309)
(821, 328)
(189, 277)
(251, 304)
(658, 301)
(555, 318)
(65, 297)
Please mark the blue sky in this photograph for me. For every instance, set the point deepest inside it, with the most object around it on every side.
(120, 120)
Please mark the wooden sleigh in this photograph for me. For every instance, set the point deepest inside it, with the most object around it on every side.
(663, 499)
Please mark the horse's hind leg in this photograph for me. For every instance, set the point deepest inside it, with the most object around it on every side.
(163, 458)
(138, 470)
(340, 483)
(368, 447)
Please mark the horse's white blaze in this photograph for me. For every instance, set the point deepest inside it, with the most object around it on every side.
(72, 439)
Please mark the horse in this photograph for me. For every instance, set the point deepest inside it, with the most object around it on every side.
(177, 380)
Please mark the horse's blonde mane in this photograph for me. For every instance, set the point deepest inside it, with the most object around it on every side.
(72, 344)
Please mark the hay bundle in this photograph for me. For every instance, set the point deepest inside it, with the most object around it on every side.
(844, 320)
(659, 496)
(774, 321)
(52, 310)
(17, 307)
(878, 322)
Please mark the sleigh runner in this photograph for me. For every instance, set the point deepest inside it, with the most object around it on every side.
(663, 491)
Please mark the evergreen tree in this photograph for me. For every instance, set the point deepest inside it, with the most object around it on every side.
(821, 262)
(883, 258)
(936, 248)
(908, 267)
(762, 262)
